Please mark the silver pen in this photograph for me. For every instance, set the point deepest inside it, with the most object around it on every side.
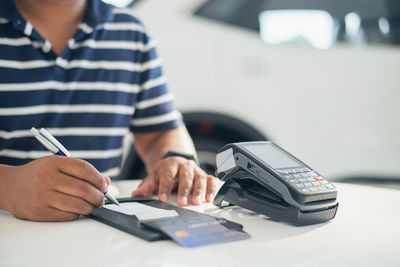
(55, 147)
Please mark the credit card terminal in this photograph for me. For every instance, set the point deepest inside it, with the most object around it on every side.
(263, 177)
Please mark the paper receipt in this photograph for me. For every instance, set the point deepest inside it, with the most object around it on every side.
(141, 211)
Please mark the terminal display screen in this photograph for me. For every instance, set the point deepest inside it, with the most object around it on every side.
(272, 155)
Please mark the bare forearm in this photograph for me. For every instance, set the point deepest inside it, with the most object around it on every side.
(152, 147)
(5, 186)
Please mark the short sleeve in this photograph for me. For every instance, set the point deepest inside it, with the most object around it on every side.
(154, 109)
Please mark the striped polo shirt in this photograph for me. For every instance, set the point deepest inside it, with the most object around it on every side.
(106, 83)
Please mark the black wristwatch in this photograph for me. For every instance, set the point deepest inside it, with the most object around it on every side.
(175, 153)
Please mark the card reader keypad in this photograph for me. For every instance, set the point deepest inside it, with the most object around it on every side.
(305, 180)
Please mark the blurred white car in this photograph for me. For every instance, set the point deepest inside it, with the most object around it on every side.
(336, 108)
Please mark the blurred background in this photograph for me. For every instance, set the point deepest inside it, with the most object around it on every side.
(318, 77)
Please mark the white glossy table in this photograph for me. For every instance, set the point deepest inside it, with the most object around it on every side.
(365, 232)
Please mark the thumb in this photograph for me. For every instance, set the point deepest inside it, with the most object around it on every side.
(146, 188)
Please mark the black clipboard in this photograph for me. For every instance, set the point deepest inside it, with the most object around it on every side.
(150, 230)
(128, 223)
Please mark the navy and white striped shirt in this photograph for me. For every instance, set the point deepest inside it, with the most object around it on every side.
(107, 82)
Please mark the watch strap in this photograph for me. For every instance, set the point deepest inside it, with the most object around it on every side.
(175, 153)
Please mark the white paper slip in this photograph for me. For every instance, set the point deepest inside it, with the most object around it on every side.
(141, 211)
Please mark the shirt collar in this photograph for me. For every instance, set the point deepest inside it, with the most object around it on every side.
(7, 9)
(97, 12)
(10, 13)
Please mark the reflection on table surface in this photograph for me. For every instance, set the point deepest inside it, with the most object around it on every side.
(364, 233)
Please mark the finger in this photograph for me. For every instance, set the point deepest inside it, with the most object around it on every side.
(85, 171)
(185, 176)
(211, 188)
(146, 187)
(166, 177)
(79, 188)
(199, 188)
(108, 180)
(70, 204)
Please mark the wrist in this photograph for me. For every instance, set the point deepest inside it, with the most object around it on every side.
(176, 153)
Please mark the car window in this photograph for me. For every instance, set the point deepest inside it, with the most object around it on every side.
(356, 22)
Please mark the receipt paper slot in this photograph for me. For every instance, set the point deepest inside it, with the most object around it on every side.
(262, 177)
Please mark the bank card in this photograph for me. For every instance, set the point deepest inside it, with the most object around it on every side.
(205, 232)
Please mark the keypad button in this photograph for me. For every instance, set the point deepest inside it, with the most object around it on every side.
(319, 178)
(322, 188)
(288, 176)
(297, 176)
(313, 189)
(294, 181)
(329, 186)
(299, 185)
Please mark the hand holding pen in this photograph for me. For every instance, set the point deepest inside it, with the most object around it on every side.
(55, 147)
(52, 189)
